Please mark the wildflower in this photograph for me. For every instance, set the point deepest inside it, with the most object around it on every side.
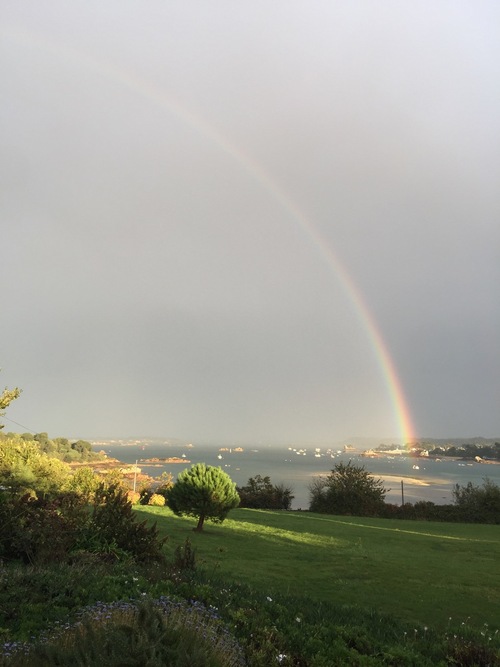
(281, 656)
(270, 600)
(298, 619)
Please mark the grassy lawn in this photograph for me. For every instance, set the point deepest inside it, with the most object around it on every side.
(421, 572)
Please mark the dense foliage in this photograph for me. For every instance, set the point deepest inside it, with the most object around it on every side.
(58, 448)
(113, 523)
(61, 528)
(348, 489)
(260, 493)
(204, 492)
(24, 468)
(478, 504)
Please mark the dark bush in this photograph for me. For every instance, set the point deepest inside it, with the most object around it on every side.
(348, 489)
(260, 493)
(478, 504)
(36, 530)
(113, 524)
(41, 530)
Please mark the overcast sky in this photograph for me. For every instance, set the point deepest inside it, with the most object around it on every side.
(193, 194)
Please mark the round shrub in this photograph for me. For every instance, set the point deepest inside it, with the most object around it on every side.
(157, 500)
(134, 497)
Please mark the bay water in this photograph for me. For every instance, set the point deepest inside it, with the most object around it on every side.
(423, 478)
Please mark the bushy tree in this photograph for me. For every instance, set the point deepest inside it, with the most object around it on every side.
(113, 524)
(478, 504)
(84, 482)
(260, 493)
(348, 489)
(43, 529)
(25, 469)
(58, 528)
(204, 492)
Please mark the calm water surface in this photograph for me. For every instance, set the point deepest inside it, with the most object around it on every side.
(423, 479)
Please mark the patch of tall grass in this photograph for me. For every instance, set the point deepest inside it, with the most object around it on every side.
(145, 633)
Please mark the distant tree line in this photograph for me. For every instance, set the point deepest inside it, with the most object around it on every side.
(468, 451)
(487, 450)
(58, 448)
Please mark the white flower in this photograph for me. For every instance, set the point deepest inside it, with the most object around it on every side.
(270, 600)
(281, 656)
(297, 619)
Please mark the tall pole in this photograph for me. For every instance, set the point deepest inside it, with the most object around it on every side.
(135, 475)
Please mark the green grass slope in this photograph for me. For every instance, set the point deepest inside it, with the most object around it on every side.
(420, 572)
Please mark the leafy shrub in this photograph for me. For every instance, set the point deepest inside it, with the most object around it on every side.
(84, 482)
(260, 493)
(113, 523)
(145, 494)
(134, 497)
(50, 529)
(26, 469)
(478, 504)
(40, 530)
(157, 500)
(348, 489)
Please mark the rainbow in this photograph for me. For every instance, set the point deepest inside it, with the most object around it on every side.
(159, 97)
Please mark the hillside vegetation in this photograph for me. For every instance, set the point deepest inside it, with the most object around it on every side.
(86, 580)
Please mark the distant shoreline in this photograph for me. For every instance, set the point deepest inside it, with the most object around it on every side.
(374, 454)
